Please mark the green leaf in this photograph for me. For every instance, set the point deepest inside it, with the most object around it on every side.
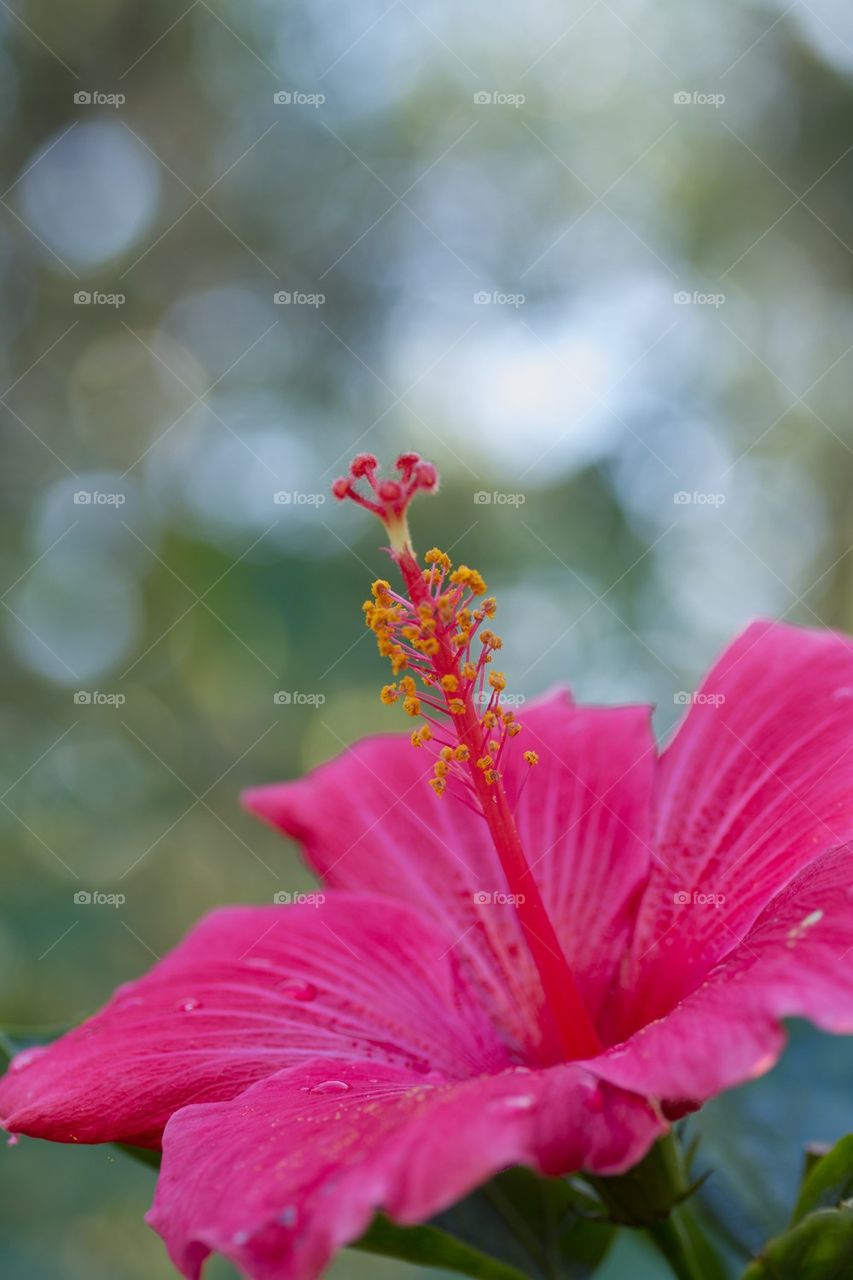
(828, 1182)
(430, 1247)
(527, 1225)
(818, 1248)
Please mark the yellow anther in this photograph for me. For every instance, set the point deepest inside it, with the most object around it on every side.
(485, 762)
(508, 716)
(429, 645)
(490, 640)
(449, 684)
(460, 640)
(513, 729)
(494, 746)
(416, 738)
(497, 680)
(462, 752)
(469, 671)
(531, 757)
(426, 733)
(412, 706)
(491, 776)
(456, 707)
(381, 591)
(440, 768)
(490, 607)
(446, 753)
(389, 694)
(438, 785)
(408, 686)
(470, 578)
(398, 661)
(439, 558)
(490, 719)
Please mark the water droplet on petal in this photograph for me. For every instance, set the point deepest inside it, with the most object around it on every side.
(299, 991)
(12, 1140)
(27, 1056)
(240, 1237)
(288, 1216)
(516, 1102)
(187, 1006)
(331, 1086)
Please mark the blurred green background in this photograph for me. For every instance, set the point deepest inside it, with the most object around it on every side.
(594, 260)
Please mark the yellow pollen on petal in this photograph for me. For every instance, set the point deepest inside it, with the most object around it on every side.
(531, 757)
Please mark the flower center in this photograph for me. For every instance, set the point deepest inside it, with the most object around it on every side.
(441, 654)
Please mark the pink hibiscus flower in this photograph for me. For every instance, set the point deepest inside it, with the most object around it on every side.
(565, 942)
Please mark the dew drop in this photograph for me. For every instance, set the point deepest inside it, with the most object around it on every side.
(27, 1056)
(187, 1006)
(331, 1086)
(304, 991)
(516, 1102)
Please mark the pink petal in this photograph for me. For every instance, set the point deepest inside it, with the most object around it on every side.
(249, 991)
(368, 820)
(280, 1178)
(794, 962)
(752, 789)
